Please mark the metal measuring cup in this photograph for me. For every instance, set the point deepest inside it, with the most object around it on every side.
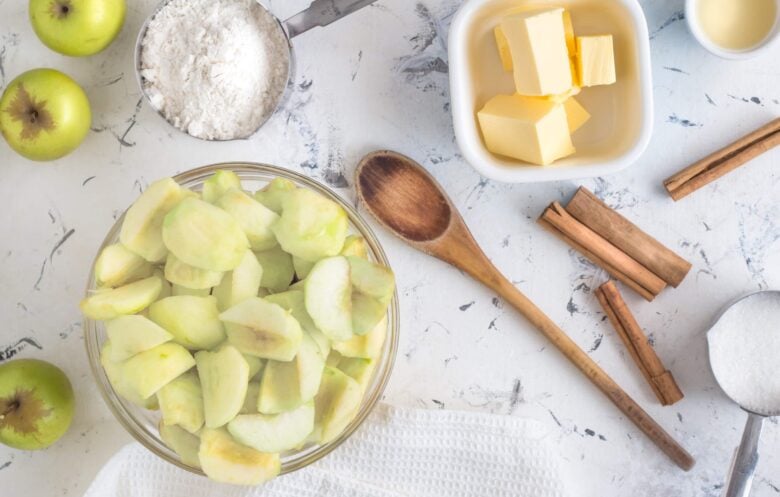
(745, 459)
(319, 13)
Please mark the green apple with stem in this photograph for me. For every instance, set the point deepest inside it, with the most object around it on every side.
(36, 404)
(44, 114)
(77, 27)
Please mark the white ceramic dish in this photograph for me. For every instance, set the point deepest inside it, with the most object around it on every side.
(622, 114)
(771, 40)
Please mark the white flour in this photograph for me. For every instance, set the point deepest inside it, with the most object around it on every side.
(214, 68)
(745, 352)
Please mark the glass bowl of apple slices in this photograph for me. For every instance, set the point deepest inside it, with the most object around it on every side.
(241, 321)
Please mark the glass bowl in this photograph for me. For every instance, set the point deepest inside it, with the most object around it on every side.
(142, 423)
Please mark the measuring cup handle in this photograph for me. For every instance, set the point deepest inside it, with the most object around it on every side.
(322, 13)
(746, 459)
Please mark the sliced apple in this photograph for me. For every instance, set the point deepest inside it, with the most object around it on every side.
(287, 385)
(184, 443)
(263, 329)
(302, 267)
(256, 364)
(311, 226)
(194, 278)
(273, 194)
(225, 460)
(224, 376)
(355, 245)
(333, 359)
(147, 372)
(359, 369)
(219, 183)
(240, 284)
(114, 374)
(250, 401)
(117, 266)
(204, 236)
(130, 335)
(177, 290)
(368, 346)
(181, 402)
(367, 312)
(328, 297)
(141, 229)
(167, 288)
(371, 279)
(293, 301)
(274, 432)
(255, 218)
(335, 405)
(278, 270)
(128, 299)
(193, 321)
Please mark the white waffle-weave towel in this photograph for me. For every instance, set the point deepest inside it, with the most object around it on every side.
(397, 452)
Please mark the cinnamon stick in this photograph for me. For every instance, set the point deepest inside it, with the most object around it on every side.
(724, 160)
(658, 377)
(619, 265)
(625, 235)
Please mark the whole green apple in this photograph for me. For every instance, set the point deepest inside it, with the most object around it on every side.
(77, 27)
(36, 404)
(44, 114)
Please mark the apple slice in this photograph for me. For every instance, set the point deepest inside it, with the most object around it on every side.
(302, 267)
(181, 402)
(204, 236)
(141, 229)
(371, 279)
(184, 443)
(275, 432)
(114, 373)
(194, 278)
(225, 460)
(224, 376)
(355, 245)
(193, 321)
(293, 301)
(335, 405)
(117, 266)
(359, 369)
(367, 312)
(255, 218)
(273, 194)
(130, 335)
(250, 401)
(278, 269)
(287, 385)
(219, 183)
(333, 359)
(147, 372)
(263, 329)
(328, 297)
(129, 299)
(256, 364)
(167, 288)
(177, 290)
(368, 346)
(240, 284)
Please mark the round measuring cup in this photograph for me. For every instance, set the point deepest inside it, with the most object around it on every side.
(319, 13)
(745, 459)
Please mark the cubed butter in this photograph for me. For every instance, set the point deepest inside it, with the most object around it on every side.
(537, 41)
(568, 31)
(576, 115)
(503, 49)
(531, 129)
(595, 60)
(562, 97)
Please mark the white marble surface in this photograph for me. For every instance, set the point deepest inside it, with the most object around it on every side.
(378, 79)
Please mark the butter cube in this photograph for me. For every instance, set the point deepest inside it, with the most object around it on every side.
(537, 41)
(576, 115)
(595, 60)
(503, 48)
(568, 31)
(560, 98)
(531, 129)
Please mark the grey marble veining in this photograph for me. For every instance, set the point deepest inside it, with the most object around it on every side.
(378, 79)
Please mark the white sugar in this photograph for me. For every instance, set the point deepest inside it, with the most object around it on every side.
(745, 352)
(214, 68)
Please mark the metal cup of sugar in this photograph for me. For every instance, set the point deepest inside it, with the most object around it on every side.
(744, 354)
(319, 13)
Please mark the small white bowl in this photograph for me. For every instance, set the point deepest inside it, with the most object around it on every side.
(621, 114)
(696, 30)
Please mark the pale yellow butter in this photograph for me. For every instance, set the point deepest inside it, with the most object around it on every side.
(537, 42)
(595, 60)
(560, 98)
(568, 31)
(576, 115)
(503, 49)
(531, 129)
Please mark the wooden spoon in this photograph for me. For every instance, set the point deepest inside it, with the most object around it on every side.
(408, 201)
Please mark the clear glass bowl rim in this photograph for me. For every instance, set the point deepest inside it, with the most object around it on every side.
(123, 410)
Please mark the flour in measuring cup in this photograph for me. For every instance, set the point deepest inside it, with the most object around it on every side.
(745, 352)
(214, 68)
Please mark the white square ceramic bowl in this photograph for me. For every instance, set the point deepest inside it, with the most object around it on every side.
(621, 114)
